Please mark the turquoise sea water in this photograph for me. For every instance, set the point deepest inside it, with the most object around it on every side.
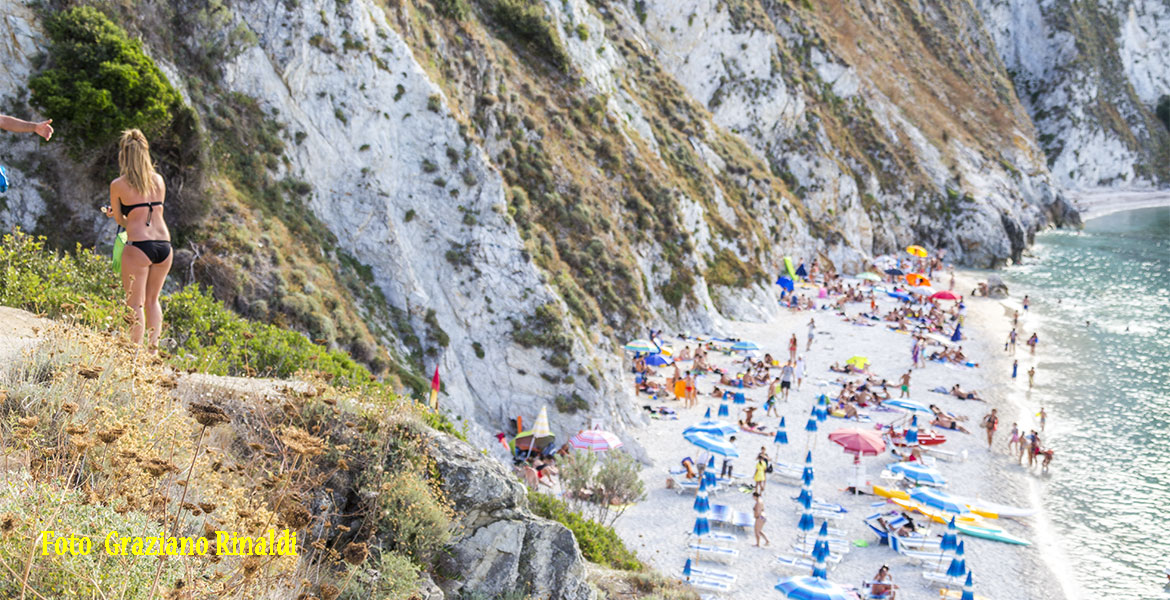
(1101, 306)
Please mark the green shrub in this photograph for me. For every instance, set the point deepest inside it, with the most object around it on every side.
(598, 543)
(527, 22)
(81, 285)
(99, 82)
(726, 269)
(417, 524)
(97, 575)
(571, 403)
(1163, 111)
(542, 328)
(394, 578)
(452, 9)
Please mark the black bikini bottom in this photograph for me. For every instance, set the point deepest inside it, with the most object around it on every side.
(156, 250)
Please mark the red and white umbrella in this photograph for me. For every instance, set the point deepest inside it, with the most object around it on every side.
(944, 295)
(595, 440)
(859, 442)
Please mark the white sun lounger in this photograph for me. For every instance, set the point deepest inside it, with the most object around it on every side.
(941, 578)
(722, 514)
(835, 545)
(711, 573)
(806, 551)
(718, 586)
(789, 563)
(947, 455)
(715, 553)
(720, 537)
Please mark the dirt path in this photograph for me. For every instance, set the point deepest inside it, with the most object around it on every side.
(18, 330)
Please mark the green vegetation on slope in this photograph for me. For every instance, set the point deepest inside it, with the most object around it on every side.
(598, 543)
(99, 82)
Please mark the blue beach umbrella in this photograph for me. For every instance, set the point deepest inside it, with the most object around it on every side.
(937, 499)
(912, 434)
(805, 498)
(745, 346)
(781, 436)
(958, 566)
(739, 398)
(723, 410)
(918, 473)
(711, 443)
(807, 475)
(968, 588)
(702, 526)
(811, 588)
(687, 569)
(709, 474)
(702, 504)
(800, 271)
(811, 426)
(822, 409)
(707, 415)
(720, 428)
(950, 541)
(821, 552)
(786, 283)
(658, 360)
(907, 405)
(806, 523)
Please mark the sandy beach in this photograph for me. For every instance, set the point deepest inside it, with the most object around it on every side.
(659, 527)
(1098, 203)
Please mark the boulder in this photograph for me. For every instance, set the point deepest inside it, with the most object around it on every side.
(499, 546)
(996, 288)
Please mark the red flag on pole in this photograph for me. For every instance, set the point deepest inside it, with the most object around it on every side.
(435, 390)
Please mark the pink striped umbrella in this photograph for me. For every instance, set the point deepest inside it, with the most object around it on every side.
(595, 440)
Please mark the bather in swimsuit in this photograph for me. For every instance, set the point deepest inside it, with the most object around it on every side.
(156, 250)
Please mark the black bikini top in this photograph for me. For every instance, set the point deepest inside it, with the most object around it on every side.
(126, 208)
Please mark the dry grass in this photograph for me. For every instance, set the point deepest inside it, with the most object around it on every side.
(115, 436)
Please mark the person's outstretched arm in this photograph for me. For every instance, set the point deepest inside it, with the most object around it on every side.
(43, 128)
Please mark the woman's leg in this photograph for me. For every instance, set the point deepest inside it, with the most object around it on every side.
(135, 272)
(154, 283)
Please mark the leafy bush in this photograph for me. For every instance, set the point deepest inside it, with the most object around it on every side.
(80, 284)
(528, 23)
(598, 543)
(452, 9)
(1163, 111)
(414, 519)
(99, 82)
(571, 404)
(395, 578)
(36, 506)
(726, 269)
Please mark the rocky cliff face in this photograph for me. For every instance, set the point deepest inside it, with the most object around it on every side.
(529, 182)
(1091, 74)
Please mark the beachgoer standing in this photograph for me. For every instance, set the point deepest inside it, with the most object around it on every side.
(1032, 341)
(799, 371)
(786, 374)
(1025, 302)
(1012, 337)
(905, 381)
(914, 351)
(770, 404)
(137, 203)
(1015, 319)
(792, 348)
(1043, 418)
(758, 512)
(690, 383)
(1031, 377)
(758, 478)
(725, 471)
(1014, 440)
(1025, 441)
(990, 422)
(1015, 368)
(812, 328)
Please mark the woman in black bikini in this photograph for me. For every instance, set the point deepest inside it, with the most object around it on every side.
(136, 203)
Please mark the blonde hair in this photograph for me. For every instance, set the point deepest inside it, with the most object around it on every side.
(134, 162)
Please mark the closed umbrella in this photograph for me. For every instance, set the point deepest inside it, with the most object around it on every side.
(709, 474)
(781, 437)
(707, 415)
(806, 523)
(658, 360)
(912, 433)
(641, 346)
(918, 473)
(711, 443)
(723, 410)
(812, 588)
(702, 526)
(745, 345)
(958, 566)
(702, 504)
(821, 409)
(950, 541)
(595, 440)
(800, 271)
(968, 588)
(806, 476)
(811, 428)
(937, 499)
(821, 552)
(687, 570)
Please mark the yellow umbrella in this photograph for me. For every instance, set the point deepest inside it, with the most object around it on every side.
(540, 427)
(916, 250)
(858, 361)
